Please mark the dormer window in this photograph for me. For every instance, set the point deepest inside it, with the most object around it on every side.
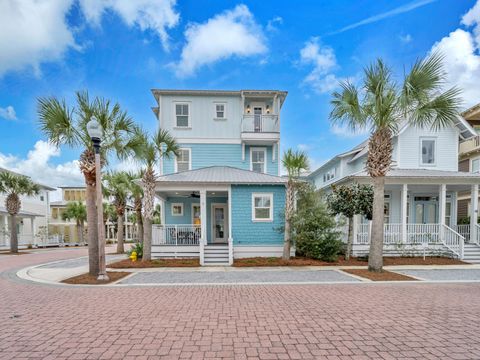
(427, 146)
(329, 175)
(182, 115)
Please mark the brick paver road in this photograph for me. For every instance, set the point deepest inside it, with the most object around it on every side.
(354, 321)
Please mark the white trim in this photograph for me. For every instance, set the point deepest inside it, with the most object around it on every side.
(471, 165)
(224, 103)
(192, 212)
(226, 219)
(428, 138)
(175, 166)
(177, 204)
(186, 140)
(270, 196)
(264, 149)
(189, 116)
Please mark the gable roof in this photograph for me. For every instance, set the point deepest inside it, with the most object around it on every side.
(221, 175)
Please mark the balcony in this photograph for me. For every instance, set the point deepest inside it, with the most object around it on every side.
(469, 145)
(260, 129)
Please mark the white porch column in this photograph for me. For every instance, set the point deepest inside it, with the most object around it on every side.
(203, 222)
(474, 213)
(442, 205)
(32, 229)
(230, 219)
(404, 204)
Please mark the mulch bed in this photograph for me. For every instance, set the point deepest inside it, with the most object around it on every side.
(301, 261)
(139, 264)
(379, 276)
(87, 279)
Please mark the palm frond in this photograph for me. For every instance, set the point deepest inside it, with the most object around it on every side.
(295, 162)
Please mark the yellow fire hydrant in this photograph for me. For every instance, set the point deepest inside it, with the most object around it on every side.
(133, 257)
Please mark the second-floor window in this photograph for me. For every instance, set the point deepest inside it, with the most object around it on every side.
(329, 175)
(428, 151)
(183, 160)
(220, 111)
(475, 165)
(182, 115)
(257, 160)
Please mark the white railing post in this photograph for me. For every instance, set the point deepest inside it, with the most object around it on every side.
(404, 205)
(442, 209)
(203, 224)
(474, 211)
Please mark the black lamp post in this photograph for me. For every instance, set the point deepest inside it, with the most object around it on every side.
(95, 132)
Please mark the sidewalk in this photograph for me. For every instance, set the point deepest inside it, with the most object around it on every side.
(55, 272)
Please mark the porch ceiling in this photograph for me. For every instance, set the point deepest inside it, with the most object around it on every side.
(187, 193)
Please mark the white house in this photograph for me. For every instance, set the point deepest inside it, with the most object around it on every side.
(32, 221)
(420, 192)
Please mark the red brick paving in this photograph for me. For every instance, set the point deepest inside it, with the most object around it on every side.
(379, 321)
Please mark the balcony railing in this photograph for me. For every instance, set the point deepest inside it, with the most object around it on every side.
(469, 145)
(257, 123)
(176, 234)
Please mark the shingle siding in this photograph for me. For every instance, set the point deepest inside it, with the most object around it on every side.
(464, 165)
(247, 232)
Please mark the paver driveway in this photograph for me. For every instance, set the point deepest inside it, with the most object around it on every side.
(358, 321)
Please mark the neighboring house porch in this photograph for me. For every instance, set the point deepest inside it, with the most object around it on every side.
(219, 213)
(420, 213)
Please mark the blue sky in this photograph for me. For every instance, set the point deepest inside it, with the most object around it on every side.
(121, 49)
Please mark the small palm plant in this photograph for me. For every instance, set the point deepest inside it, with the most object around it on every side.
(76, 211)
(382, 106)
(14, 186)
(294, 162)
(67, 126)
(117, 186)
(161, 145)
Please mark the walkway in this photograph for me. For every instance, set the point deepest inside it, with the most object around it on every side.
(341, 321)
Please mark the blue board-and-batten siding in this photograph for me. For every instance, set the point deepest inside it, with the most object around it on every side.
(204, 155)
(245, 231)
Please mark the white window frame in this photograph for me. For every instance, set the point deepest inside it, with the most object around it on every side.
(176, 126)
(189, 159)
(252, 149)
(270, 196)
(174, 205)
(471, 165)
(434, 139)
(215, 117)
(330, 174)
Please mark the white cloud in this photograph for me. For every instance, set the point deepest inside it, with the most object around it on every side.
(405, 39)
(322, 57)
(37, 165)
(345, 132)
(156, 15)
(461, 57)
(272, 23)
(231, 33)
(33, 32)
(8, 113)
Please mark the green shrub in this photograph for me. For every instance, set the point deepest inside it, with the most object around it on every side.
(138, 248)
(313, 228)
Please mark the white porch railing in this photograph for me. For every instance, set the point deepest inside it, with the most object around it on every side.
(176, 235)
(392, 233)
(423, 233)
(463, 229)
(453, 240)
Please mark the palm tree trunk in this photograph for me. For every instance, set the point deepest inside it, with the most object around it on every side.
(90, 200)
(349, 239)
(147, 239)
(375, 258)
(288, 216)
(139, 227)
(120, 247)
(13, 234)
(79, 232)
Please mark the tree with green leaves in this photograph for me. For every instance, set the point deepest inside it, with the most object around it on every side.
(14, 186)
(76, 211)
(116, 185)
(136, 192)
(294, 162)
(383, 105)
(161, 145)
(157, 215)
(67, 126)
(350, 200)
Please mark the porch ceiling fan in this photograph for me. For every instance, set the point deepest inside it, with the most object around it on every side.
(192, 195)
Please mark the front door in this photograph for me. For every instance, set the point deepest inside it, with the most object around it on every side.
(426, 212)
(219, 223)
(257, 118)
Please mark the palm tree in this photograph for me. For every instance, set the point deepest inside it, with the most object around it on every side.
(161, 145)
(65, 125)
(294, 162)
(117, 186)
(78, 212)
(381, 105)
(14, 186)
(137, 194)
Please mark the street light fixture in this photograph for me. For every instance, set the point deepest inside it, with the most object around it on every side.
(95, 132)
